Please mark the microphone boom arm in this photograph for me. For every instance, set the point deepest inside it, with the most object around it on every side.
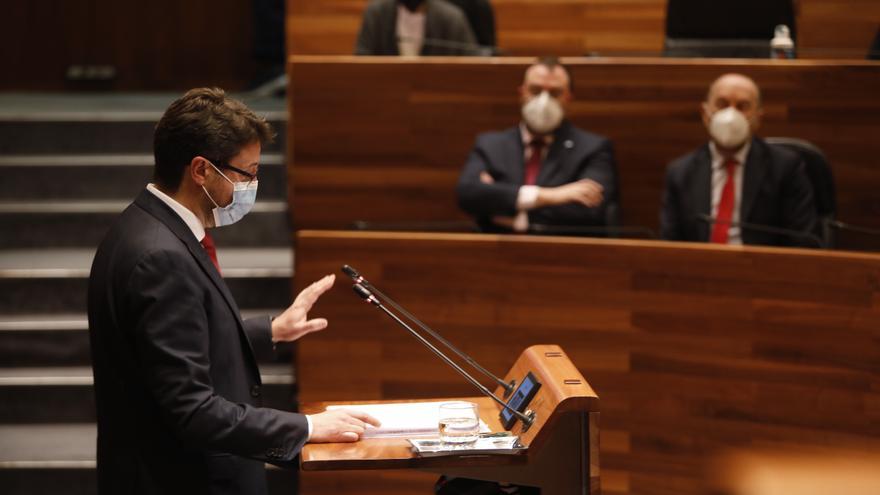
(367, 296)
(359, 279)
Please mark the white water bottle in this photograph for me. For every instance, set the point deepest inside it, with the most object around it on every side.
(782, 46)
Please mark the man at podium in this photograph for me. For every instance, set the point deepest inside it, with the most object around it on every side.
(178, 390)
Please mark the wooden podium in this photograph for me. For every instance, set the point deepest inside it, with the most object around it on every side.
(563, 442)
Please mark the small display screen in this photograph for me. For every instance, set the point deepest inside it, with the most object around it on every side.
(520, 399)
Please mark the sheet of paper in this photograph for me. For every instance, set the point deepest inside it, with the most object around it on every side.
(411, 419)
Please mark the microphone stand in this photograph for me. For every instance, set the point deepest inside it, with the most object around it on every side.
(359, 279)
(527, 419)
(837, 224)
(366, 295)
(635, 230)
(763, 228)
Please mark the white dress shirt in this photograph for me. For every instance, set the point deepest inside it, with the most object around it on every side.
(410, 31)
(719, 177)
(188, 217)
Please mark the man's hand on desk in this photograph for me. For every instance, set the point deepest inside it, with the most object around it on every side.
(293, 323)
(585, 191)
(339, 425)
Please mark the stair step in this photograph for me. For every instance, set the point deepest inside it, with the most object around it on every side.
(60, 458)
(105, 177)
(63, 339)
(34, 224)
(56, 280)
(100, 123)
(31, 395)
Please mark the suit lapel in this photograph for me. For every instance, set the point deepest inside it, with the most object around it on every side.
(702, 192)
(753, 175)
(154, 206)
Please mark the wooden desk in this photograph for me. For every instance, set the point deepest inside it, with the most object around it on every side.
(562, 442)
(692, 348)
(384, 140)
(393, 453)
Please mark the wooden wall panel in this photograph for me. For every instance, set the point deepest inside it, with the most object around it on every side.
(837, 28)
(691, 349)
(153, 45)
(829, 28)
(384, 140)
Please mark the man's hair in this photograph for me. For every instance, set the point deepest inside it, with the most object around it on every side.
(552, 62)
(203, 122)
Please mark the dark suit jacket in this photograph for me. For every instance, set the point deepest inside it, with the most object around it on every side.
(176, 381)
(443, 21)
(575, 154)
(775, 192)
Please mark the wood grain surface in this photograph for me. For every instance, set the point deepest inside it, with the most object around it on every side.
(828, 28)
(384, 140)
(692, 348)
(158, 45)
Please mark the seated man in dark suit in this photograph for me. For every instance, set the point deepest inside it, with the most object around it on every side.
(737, 178)
(415, 27)
(544, 171)
(177, 387)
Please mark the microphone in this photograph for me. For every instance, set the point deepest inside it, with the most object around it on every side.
(837, 224)
(364, 283)
(609, 230)
(368, 296)
(472, 48)
(763, 228)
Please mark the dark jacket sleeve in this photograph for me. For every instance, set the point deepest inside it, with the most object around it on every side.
(597, 165)
(171, 339)
(259, 332)
(484, 200)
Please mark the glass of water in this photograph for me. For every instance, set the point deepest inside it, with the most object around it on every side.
(459, 423)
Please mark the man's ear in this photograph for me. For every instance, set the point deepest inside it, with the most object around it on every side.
(758, 119)
(198, 170)
(704, 113)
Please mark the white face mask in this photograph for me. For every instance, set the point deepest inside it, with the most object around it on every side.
(729, 128)
(244, 195)
(543, 113)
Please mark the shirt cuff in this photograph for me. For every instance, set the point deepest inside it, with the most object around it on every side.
(526, 198)
(309, 421)
(521, 222)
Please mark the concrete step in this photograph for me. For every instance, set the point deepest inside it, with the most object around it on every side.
(56, 280)
(65, 394)
(99, 123)
(63, 339)
(60, 458)
(99, 177)
(33, 224)
(133, 134)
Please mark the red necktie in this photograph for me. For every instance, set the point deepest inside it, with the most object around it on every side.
(208, 244)
(534, 163)
(725, 207)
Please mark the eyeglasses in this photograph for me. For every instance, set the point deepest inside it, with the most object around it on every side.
(249, 176)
